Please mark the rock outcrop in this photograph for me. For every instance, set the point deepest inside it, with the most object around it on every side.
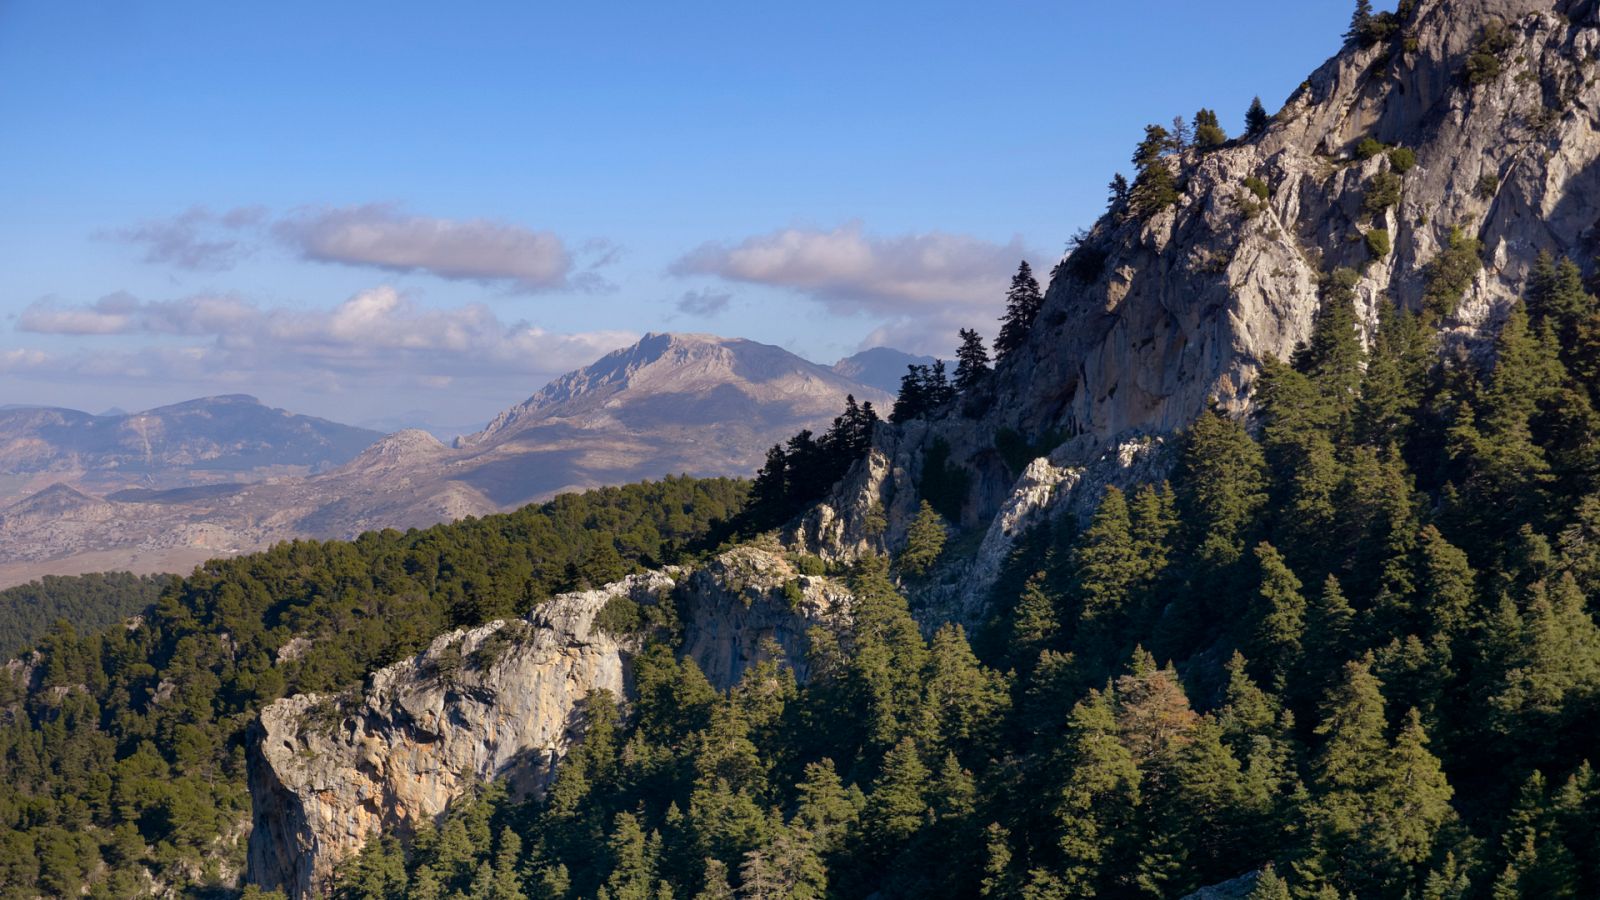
(749, 604)
(502, 701)
(497, 701)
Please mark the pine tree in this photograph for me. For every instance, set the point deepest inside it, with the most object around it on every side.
(1220, 487)
(1155, 188)
(1551, 659)
(1118, 191)
(716, 881)
(1107, 569)
(1380, 808)
(912, 401)
(1556, 294)
(896, 805)
(827, 811)
(1035, 623)
(1208, 133)
(1334, 359)
(1447, 596)
(1416, 796)
(1392, 387)
(1269, 886)
(1256, 119)
(963, 700)
(1360, 24)
(1098, 800)
(1278, 625)
(998, 878)
(1329, 636)
(883, 673)
(1507, 471)
(972, 361)
(925, 538)
(1219, 490)
(1182, 136)
(507, 881)
(1023, 301)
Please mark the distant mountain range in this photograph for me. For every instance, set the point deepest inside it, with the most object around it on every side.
(232, 438)
(880, 367)
(670, 404)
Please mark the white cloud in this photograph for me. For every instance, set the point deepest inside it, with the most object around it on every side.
(704, 302)
(923, 286)
(480, 250)
(197, 239)
(852, 271)
(375, 338)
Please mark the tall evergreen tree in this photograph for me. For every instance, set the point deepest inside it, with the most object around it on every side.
(1256, 119)
(1155, 188)
(1118, 191)
(1360, 24)
(972, 361)
(1036, 621)
(1277, 626)
(1107, 571)
(1396, 375)
(1098, 800)
(925, 538)
(1023, 301)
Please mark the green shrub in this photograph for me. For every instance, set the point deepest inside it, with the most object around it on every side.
(811, 565)
(1451, 273)
(1370, 147)
(1483, 63)
(1382, 193)
(793, 594)
(1488, 185)
(1402, 159)
(1257, 187)
(1378, 243)
(447, 662)
(620, 616)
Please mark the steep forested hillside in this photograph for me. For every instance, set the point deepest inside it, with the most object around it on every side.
(1352, 650)
(89, 602)
(121, 755)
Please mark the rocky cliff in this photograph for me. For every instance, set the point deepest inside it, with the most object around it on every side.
(501, 701)
(1151, 318)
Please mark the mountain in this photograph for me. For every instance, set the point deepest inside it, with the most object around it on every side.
(1265, 566)
(881, 367)
(231, 438)
(670, 404)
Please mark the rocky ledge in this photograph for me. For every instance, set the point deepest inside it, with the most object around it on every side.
(502, 701)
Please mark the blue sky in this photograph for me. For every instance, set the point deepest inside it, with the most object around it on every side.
(405, 211)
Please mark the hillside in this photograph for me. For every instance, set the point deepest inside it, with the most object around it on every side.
(1261, 565)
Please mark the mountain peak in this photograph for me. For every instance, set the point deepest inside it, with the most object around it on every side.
(678, 370)
(880, 367)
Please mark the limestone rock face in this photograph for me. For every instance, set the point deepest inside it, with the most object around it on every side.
(1152, 319)
(497, 701)
(748, 601)
(502, 701)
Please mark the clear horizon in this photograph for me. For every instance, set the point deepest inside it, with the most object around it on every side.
(378, 212)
